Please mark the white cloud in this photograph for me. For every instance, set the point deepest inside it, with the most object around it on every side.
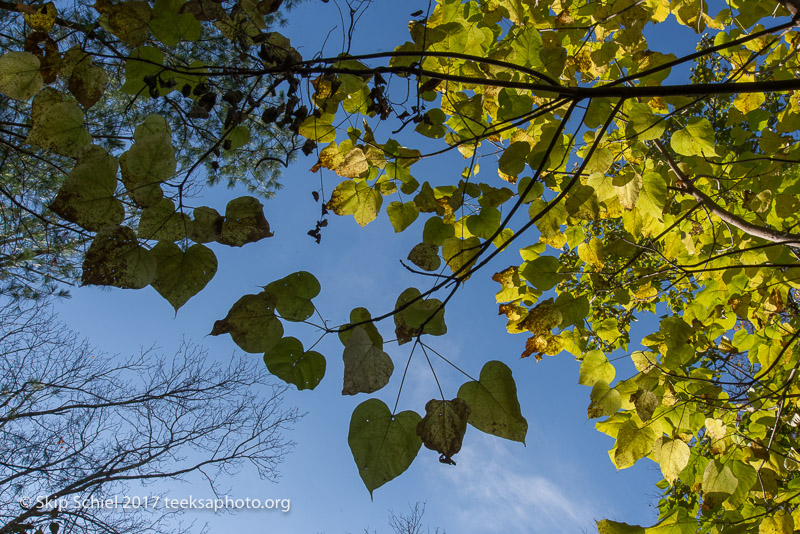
(495, 491)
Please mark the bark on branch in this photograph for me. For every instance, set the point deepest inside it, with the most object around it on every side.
(769, 234)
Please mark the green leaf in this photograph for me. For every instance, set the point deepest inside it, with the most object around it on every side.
(582, 203)
(144, 191)
(319, 129)
(672, 456)
(605, 400)
(127, 20)
(425, 256)
(485, 223)
(777, 522)
(163, 222)
(87, 195)
(383, 445)
(366, 367)
(288, 361)
(252, 323)
(436, 231)
(151, 159)
(87, 81)
(362, 315)
(206, 225)
(181, 275)
(115, 258)
(239, 136)
(20, 78)
(357, 199)
(595, 366)
(410, 319)
(542, 272)
(719, 483)
(696, 139)
(244, 222)
(444, 425)
(460, 254)
(653, 194)
(644, 125)
(170, 25)
(613, 527)
(144, 62)
(512, 161)
(57, 125)
(633, 443)
(494, 404)
(402, 215)
(293, 294)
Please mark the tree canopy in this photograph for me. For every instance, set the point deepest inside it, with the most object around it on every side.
(631, 181)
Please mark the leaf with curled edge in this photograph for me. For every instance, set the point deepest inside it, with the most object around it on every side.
(244, 222)
(444, 425)
(367, 368)
(252, 323)
(494, 404)
(115, 258)
(383, 445)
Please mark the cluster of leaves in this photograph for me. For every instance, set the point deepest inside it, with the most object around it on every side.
(626, 196)
(119, 89)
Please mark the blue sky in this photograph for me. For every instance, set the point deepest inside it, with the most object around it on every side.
(560, 482)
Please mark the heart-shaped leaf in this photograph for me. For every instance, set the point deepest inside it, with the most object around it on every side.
(294, 293)
(494, 404)
(288, 361)
(252, 323)
(181, 275)
(366, 367)
(425, 256)
(383, 445)
(402, 215)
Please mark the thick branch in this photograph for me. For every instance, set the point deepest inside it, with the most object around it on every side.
(769, 234)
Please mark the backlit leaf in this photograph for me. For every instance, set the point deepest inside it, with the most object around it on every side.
(291, 363)
(444, 425)
(115, 258)
(494, 404)
(383, 445)
(366, 367)
(182, 274)
(252, 323)
(20, 78)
